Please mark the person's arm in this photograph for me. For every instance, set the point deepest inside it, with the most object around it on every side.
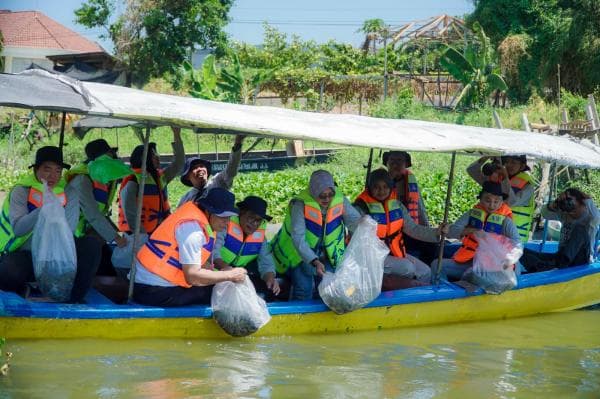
(351, 215)
(189, 196)
(176, 167)
(455, 230)
(129, 203)
(417, 231)
(220, 264)
(509, 229)
(423, 217)
(72, 207)
(474, 170)
(298, 232)
(593, 211)
(266, 268)
(224, 179)
(361, 207)
(521, 198)
(21, 220)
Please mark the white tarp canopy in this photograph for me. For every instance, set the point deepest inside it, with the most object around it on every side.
(398, 134)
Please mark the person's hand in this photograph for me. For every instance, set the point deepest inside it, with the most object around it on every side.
(121, 241)
(443, 228)
(468, 230)
(237, 274)
(273, 284)
(320, 267)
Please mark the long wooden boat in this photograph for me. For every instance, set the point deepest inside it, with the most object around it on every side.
(537, 293)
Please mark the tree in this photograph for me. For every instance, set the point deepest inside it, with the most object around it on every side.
(475, 70)
(1, 48)
(373, 30)
(153, 37)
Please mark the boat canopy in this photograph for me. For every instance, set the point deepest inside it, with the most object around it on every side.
(43, 90)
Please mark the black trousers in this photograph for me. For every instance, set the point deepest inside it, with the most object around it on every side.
(16, 268)
(425, 251)
(171, 296)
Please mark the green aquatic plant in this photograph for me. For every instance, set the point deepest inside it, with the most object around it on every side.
(5, 367)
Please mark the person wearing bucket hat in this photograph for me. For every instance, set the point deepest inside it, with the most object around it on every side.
(490, 214)
(197, 173)
(155, 201)
(380, 201)
(22, 206)
(512, 172)
(244, 244)
(312, 238)
(174, 267)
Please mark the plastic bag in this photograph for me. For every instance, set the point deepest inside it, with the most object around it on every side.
(122, 257)
(106, 169)
(493, 263)
(357, 280)
(53, 250)
(237, 308)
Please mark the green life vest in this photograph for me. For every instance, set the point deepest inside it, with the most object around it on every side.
(8, 241)
(331, 232)
(238, 250)
(522, 215)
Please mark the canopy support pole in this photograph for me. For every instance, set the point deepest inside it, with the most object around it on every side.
(551, 191)
(138, 220)
(61, 140)
(435, 275)
(369, 166)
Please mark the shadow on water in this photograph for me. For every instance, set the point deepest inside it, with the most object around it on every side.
(555, 355)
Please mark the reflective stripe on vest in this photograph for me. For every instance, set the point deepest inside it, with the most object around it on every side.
(160, 254)
(155, 202)
(522, 215)
(390, 221)
(332, 234)
(411, 195)
(238, 250)
(480, 219)
(8, 241)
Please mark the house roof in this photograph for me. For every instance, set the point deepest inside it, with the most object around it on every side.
(34, 29)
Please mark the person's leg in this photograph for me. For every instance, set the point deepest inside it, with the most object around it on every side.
(422, 271)
(576, 250)
(403, 267)
(534, 261)
(16, 268)
(171, 296)
(425, 251)
(452, 270)
(303, 282)
(89, 251)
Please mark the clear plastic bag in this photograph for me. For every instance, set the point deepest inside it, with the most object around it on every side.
(237, 308)
(357, 280)
(493, 263)
(122, 257)
(53, 250)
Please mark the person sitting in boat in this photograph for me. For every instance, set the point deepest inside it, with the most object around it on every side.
(197, 171)
(312, 238)
(244, 244)
(407, 191)
(512, 173)
(20, 214)
(580, 219)
(155, 202)
(490, 214)
(381, 202)
(174, 267)
(96, 198)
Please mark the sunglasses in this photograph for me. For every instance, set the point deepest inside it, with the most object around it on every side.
(326, 196)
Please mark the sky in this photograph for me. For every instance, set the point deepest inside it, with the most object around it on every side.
(318, 20)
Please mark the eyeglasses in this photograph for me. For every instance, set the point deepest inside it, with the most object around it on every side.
(326, 196)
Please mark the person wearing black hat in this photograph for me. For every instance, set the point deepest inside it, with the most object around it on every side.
(155, 202)
(197, 171)
(244, 244)
(22, 206)
(489, 215)
(513, 173)
(174, 267)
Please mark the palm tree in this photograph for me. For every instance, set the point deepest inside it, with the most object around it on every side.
(373, 29)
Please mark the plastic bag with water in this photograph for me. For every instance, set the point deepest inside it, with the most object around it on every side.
(53, 250)
(237, 308)
(357, 280)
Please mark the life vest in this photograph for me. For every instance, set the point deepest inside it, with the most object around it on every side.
(160, 254)
(480, 219)
(8, 241)
(331, 233)
(238, 250)
(411, 195)
(522, 215)
(104, 195)
(389, 218)
(155, 202)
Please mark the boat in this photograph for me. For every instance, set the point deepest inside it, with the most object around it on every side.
(536, 293)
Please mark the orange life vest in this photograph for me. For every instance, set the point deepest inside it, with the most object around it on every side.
(35, 199)
(389, 218)
(160, 254)
(155, 203)
(480, 219)
(411, 195)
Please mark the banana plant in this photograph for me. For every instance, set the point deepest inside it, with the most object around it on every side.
(475, 70)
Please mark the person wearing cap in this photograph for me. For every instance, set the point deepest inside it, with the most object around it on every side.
(20, 214)
(197, 171)
(155, 201)
(491, 214)
(244, 244)
(312, 238)
(513, 173)
(381, 202)
(174, 267)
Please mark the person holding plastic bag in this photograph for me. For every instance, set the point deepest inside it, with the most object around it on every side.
(380, 202)
(174, 267)
(20, 214)
(312, 238)
(491, 215)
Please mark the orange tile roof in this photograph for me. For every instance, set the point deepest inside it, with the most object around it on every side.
(34, 29)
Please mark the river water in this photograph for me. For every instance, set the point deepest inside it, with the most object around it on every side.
(550, 356)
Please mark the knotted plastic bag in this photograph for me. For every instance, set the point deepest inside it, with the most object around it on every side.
(493, 263)
(106, 169)
(53, 249)
(357, 280)
(237, 308)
